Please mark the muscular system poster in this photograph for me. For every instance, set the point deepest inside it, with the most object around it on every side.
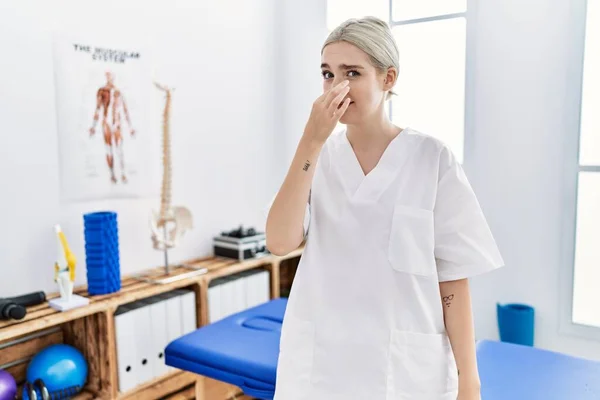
(106, 149)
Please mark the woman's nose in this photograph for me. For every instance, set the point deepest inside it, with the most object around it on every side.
(337, 82)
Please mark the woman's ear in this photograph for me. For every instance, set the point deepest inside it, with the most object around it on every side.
(390, 78)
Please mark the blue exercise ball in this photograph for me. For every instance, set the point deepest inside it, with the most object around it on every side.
(60, 366)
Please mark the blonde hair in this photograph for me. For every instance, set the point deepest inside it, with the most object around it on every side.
(373, 36)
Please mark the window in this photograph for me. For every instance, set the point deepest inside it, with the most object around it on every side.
(586, 277)
(431, 36)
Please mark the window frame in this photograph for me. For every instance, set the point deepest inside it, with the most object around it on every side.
(572, 170)
(470, 70)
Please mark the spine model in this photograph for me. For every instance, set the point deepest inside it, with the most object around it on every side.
(172, 221)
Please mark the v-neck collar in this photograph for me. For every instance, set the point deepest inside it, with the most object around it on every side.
(367, 188)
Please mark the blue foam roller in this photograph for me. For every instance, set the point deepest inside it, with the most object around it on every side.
(100, 216)
(101, 235)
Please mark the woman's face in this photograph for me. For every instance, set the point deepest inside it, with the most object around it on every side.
(342, 60)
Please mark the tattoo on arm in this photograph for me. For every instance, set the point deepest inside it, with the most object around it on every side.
(306, 165)
(448, 299)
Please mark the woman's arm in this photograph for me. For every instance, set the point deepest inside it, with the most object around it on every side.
(284, 230)
(458, 318)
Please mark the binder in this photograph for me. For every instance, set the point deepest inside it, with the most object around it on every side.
(259, 286)
(126, 348)
(264, 287)
(252, 290)
(227, 305)
(239, 293)
(158, 319)
(214, 300)
(246, 278)
(173, 318)
(188, 311)
(141, 317)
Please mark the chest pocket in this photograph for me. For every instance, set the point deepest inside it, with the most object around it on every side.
(411, 241)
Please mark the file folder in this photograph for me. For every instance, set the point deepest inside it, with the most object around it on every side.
(239, 293)
(144, 354)
(173, 317)
(188, 311)
(264, 287)
(214, 300)
(158, 319)
(259, 286)
(126, 347)
(227, 304)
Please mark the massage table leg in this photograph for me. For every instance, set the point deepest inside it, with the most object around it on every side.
(200, 388)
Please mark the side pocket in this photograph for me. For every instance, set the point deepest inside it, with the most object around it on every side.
(411, 242)
(421, 365)
(294, 365)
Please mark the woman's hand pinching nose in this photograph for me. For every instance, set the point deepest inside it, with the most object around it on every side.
(327, 111)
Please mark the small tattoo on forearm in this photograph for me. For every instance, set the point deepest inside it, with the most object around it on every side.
(447, 300)
(306, 165)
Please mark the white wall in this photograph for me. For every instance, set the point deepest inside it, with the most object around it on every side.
(220, 56)
(515, 160)
(303, 31)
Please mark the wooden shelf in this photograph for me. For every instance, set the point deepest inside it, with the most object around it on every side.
(91, 330)
(160, 387)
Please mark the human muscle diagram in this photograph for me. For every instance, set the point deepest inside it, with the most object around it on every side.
(106, 149)
(112, 107)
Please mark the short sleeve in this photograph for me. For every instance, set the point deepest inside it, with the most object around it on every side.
(464, 244)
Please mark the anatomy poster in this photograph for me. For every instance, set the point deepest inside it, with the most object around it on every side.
(107, 142)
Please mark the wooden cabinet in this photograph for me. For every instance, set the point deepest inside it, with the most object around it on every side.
(91, 329)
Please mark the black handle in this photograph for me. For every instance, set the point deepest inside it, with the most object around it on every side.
(10, 310)
(14, 307)
(30, 299)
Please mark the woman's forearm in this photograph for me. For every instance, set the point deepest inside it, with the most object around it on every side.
(458, 318)
(284, 230)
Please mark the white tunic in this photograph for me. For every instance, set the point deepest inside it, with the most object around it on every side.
(364, 318)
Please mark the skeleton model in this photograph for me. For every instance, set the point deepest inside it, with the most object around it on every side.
(173, 221)
(64, 275)
(64, 267)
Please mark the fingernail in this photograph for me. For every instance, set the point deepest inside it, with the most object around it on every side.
(346, 82)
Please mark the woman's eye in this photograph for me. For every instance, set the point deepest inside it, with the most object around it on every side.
(329, 75)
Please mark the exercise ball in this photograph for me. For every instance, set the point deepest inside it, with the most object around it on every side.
(8, 386)
(60, 366)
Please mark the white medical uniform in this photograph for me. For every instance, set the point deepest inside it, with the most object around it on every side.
(364, 319)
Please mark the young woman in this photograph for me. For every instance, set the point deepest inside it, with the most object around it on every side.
(380, 306)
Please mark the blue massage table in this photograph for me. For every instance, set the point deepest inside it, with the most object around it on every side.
(516, 372)
(242, 350)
